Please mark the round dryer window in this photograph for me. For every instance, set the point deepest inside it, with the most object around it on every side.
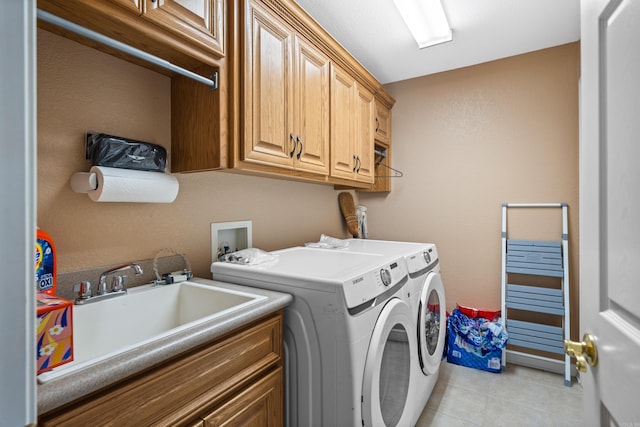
(431, 329)
(387, 385)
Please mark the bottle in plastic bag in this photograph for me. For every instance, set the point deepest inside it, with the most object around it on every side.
(361, 215)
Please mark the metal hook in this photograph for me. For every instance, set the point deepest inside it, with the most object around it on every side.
(396, 172)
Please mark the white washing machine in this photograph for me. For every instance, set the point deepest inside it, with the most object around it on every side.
(428, 305)
(349, 335)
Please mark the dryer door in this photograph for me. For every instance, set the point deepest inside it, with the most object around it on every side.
(388, 383)
(431, 327)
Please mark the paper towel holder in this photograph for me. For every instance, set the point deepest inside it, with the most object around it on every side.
(83, 182)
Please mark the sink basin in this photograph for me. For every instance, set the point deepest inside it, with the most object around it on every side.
(103, 329)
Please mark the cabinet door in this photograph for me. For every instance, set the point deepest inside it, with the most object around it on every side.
(383, 124)
(268, 91)
(343, 158)
(198, 21)
(365, 115)
(260, 405)
(312, 109)
(134, 6)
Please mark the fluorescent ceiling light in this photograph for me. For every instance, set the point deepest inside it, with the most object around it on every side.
(426, 21)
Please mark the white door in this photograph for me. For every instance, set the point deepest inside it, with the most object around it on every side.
(610, 208)
(432, 324)
(388, 385)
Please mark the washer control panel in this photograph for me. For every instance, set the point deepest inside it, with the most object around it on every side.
(385, 275)
(366, 287)
(422, 260)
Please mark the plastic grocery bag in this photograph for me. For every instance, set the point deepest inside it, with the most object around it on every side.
(475, 342)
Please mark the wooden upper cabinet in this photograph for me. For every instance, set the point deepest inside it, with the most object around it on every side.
(286, 97)
(312, 98)
(200, 22)
(343, 160)
(134, 6)
(382, 123)
(352, 118)
(365, 115)
(188, 33)
(268, 92)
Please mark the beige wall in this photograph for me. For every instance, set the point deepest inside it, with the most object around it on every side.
(467, 141)
(81, 89)
(471, 139)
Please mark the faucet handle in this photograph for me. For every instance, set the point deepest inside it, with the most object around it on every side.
(83, 289)
(137, 269)
(102, 287)
(117, 284)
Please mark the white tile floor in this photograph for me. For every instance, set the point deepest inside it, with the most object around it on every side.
(519, 396)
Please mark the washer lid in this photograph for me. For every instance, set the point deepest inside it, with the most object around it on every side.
(432, 325)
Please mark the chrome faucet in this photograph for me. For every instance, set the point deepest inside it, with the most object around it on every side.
(117, 285)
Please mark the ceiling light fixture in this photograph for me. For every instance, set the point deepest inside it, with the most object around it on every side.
(426, 21)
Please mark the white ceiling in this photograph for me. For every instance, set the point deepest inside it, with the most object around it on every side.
(483, 30)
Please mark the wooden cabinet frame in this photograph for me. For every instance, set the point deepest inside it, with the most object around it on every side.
(304, 29)
(230, 128)
(167, 29)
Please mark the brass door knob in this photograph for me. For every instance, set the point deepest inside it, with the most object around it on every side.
(585, 352)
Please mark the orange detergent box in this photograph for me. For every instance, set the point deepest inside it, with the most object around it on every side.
(54, 331)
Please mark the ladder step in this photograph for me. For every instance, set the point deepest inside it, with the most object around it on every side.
(533, 298)
(536, 336)
(535, 271)
(549, 244)
(532, 326)
(534, 290)
(537, 346)
(537, 309)
(541, 258)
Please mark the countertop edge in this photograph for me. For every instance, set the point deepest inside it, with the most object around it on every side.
(66, 389)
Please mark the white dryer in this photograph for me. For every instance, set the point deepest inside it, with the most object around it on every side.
(428, 302)
(349, 335)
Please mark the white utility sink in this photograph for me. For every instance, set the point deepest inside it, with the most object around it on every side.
(103, 329)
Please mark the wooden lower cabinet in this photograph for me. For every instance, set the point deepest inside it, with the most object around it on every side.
(233, 381)
(258, 406)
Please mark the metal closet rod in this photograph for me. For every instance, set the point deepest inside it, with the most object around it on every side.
(107, 41)
(380, 153)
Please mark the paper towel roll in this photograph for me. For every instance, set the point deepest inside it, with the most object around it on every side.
(127, 185)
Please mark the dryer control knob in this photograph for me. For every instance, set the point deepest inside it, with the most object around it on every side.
(427, 257)
(385, 275)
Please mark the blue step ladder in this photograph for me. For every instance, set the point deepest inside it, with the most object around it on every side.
(537, 258)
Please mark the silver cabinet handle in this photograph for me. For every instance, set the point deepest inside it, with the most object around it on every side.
(293, 139)
(299, 152)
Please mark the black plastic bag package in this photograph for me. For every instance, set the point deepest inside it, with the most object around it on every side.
(117, 152)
